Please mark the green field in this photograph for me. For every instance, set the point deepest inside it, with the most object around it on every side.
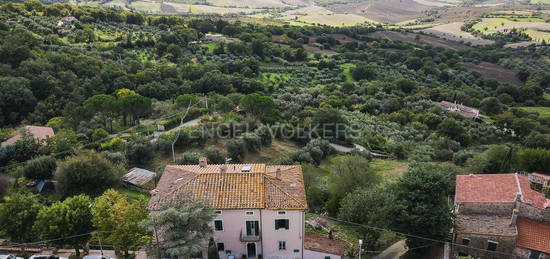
(542, 111)
(491, 23)
(347, 71)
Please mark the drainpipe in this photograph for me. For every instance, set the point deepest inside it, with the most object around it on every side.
(261, 234)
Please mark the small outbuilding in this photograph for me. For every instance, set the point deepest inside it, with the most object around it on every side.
(140, 178)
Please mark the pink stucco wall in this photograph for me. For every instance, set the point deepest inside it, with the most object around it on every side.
(234, 221)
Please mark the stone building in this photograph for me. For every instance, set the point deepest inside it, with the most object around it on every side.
(500, 216)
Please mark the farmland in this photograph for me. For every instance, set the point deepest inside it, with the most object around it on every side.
(452, 31)
(416, 38)
(494, 71)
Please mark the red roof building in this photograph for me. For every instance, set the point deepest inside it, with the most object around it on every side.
(533, 234)
(500, 216)
(38, 132)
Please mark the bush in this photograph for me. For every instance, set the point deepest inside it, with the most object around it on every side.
(116, 158)
(253, 141)
(214, 156)
(236, 148)
(87, 173)
(40, 168)
(139, 151)
(115, 143)
(188, 158)
(99, 134)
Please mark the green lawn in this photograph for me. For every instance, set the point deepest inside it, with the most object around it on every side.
(542, 111)
(211, 46)
(347, 71)
(388, 169)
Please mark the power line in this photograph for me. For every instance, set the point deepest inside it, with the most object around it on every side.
(408, 235)
(57, 239)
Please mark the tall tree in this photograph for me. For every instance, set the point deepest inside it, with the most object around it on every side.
(88, 173)
(259, 106)
(419, 204)
(67, 222)
(17, 216)
(348, 173)
(183, 225)
(104, 105)
(122, 218)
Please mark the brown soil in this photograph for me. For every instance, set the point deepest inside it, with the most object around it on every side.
(387, 11)
(424, 39)
(494, 71)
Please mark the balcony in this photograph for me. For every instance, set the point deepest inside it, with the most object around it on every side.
(250, 238)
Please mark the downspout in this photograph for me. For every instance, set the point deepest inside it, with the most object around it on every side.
(262, 234)
(303, 234)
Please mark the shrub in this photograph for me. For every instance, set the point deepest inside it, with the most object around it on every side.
(116, 158)
(214, 155)
(40, 168)
(188, 158)
(139, 151)
(236, 148)
(87, 173)
(99, 134)
(115, 143)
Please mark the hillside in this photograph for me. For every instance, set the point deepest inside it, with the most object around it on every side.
(380, 117)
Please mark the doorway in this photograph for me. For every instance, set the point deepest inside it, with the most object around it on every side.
(251, 250)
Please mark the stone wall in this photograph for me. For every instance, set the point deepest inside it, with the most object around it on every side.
(528, 211)
(506, 244)
(485, 208)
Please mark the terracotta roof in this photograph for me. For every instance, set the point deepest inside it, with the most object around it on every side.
(241, 186)
(534, 235)
(320, 243)
(497, 188)
(39, 133)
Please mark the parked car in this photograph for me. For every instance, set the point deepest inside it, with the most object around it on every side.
(96, 257)
(9, 257)
(47, 257)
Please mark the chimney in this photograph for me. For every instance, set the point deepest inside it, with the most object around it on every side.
(514, 217)
(223, 169)
(518, 200)
(278, 173)
(202, 162)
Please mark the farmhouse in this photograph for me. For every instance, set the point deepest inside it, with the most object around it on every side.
(539, 179)
(217, 38)
(39, 133)
(463, 110)
(500, 216)
(259, 208)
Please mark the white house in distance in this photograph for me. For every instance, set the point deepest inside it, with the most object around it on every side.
(259, 208)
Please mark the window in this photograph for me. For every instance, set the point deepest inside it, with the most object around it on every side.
(466, 241)
(327, 257)
(218, 225)
(281, 212)
(296, 250)
(249, 213)
(281, 223)
(535, 255)
(492, 245)
(252, 228)
(218, 212)
(282, 245)
(228, 252)
(221, 246)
